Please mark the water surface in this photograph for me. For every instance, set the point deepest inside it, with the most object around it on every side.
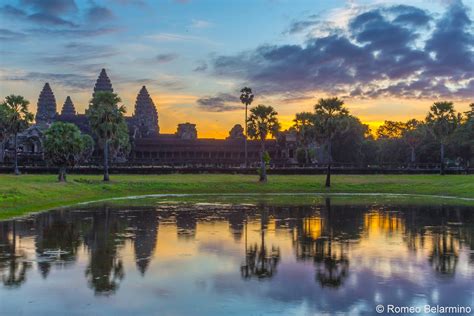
(227, 259)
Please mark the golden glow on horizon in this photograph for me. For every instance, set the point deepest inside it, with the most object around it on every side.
(175, 108)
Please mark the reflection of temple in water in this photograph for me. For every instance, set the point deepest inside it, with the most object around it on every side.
(145, 226)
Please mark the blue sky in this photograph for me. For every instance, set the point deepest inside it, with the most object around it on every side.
(387, 59)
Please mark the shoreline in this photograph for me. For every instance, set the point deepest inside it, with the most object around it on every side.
(26, 194)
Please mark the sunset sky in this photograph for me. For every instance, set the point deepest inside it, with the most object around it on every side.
(387, 59)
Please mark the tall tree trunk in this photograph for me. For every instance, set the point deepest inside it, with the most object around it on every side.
(62, 174)
(106, 161)
(2, 151)
(412, 157)
(263, 167)
(328, 172)
(245, 140)
(17, 171)
(441, 171)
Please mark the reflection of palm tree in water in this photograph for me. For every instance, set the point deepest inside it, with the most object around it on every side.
(331, 266)
(444, 256)
(13, 268)
(105, 270)
(260, 261)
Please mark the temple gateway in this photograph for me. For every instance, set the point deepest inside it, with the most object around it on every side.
(149, 146)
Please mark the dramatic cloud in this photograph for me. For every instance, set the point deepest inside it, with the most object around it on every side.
(166, 58)
(220, 103)
(382, 53)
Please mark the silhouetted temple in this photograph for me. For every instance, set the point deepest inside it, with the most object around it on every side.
(149, 146)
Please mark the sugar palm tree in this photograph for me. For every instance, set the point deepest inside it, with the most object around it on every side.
(262, 122)
(246, 97)
(106, 119)
(442, 120)
(304, 127)
(330, 114)
(17, 119)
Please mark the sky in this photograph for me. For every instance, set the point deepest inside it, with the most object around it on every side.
(388, 60)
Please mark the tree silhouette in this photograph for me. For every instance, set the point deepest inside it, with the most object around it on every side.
(17, 119)
(330, 115)
(442, 121)
(262, 122)
(107, 121)
(246, 97)
(304, 127)
(64, 146)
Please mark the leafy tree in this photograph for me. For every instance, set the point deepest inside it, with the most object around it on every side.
(262, 121)
(413, 134)
(463, 137)
(304, 127)
(246, 97)
(107, 122)
(348, 140)
(65, 146)
(4, 128)
(18, 118)
(390, 129)
(442, 120)
(330, 116)
(393, 135)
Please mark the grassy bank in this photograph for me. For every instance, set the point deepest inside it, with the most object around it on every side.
(30, 193)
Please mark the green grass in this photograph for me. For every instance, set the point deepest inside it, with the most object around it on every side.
(20, 195)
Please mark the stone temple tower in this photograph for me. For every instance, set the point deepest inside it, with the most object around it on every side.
(146, 116)
(103, 83)
(68, 109)
(46, 110)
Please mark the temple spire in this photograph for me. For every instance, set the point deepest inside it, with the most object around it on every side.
(68, 108)
(103, 83)
(46, 110)
(146, 116)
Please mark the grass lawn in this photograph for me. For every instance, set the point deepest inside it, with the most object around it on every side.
(23, 194)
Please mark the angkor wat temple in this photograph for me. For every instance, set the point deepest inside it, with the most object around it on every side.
(149, 146)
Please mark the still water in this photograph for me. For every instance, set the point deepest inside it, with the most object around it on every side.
(224, 259)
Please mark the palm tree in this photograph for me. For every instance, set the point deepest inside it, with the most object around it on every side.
(329, 113)
(4, 132)
(304, 126)
(262, 121)
(442, 120)
(106, 119)
(246, 97)
(17, 120)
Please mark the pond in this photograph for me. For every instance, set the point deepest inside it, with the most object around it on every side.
(261, 258)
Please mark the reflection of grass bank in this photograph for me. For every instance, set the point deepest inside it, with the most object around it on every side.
(29, 193)
(282, 199)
